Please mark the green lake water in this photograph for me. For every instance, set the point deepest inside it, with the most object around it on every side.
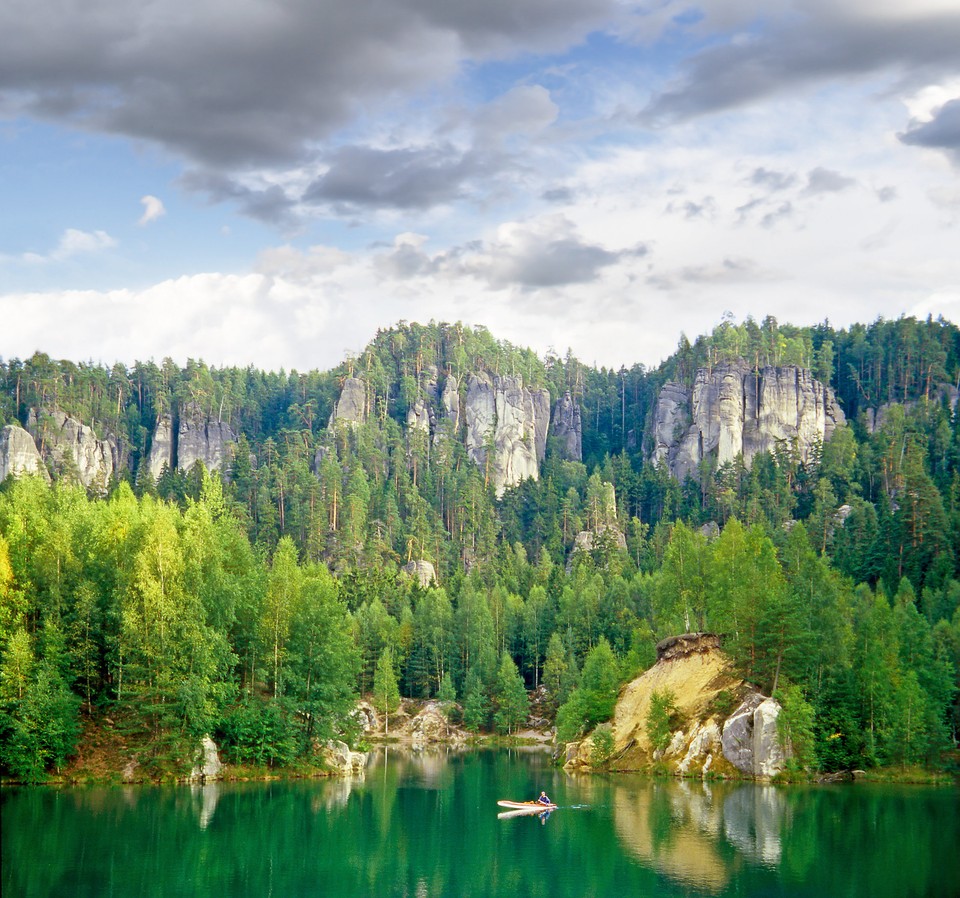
(427, 825)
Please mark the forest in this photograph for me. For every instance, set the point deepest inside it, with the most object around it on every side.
(258, 602)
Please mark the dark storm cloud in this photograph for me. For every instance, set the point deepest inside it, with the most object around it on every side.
(942, 132)
(402, 179)
(270, 204)
(833, 42)
(565, 260)
(242, 83)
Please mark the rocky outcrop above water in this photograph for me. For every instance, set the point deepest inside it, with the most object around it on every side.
(750, 740)
(568, 428)
(734, 410)
(339, 759)
(705, 737)
(19, 454)
(208, 767)
(75, 450)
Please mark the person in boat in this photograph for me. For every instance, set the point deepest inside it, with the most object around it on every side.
(543, 799)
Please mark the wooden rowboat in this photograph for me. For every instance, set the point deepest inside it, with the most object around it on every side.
(526, 807)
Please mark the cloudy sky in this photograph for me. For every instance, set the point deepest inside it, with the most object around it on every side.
(268, 182)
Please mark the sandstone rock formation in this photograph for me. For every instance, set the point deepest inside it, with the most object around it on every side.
(422, 571)
(208, 766)
(696, 672)
(450, 407)
(351, 407)
(512, 420)
(75, 449)
(203, 439)
(568, 428)
(750, 737)
(19, 455)
(419, 417)
(192, 437)
(734, 410)
(341, 760)
(161, 446)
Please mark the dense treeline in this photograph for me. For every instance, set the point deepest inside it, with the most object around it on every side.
(257, 606)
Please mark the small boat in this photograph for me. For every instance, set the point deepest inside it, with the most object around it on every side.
(526, 807)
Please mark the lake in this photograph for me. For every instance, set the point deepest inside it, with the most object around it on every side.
(427, 825)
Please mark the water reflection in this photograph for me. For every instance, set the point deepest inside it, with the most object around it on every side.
(686, 830)
(206, 797)
(426, 825)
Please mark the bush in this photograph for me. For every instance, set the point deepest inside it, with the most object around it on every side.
(603, 744)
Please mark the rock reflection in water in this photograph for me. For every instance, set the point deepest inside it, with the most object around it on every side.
(698, 834)
(752, 820)
(205, 797)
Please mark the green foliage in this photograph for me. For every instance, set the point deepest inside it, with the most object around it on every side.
(795, 725)
(510, 701)
(660, 719)
(171, 598)
(386, 693)
(602, 746)
(447, 692)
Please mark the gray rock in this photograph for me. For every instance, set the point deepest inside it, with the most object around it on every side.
(161, 446)
(749, 739)
(351, 408)
(423, 571)
(338, 757)
(450, 403)
(208, 767)
(203, 439)
(568, 428)
(74, 448)
(418, 417)
(19, 454)
(516, 434)
(480, 411)
(585, 540)
(733, 410)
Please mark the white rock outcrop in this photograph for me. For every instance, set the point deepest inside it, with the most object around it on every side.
(749, 739)
(208, 767)
(567, 427)
(422, 571)
(351, 407)
(511, 420)
(19, 454)
(202, 439)
(74, 448)
(161, 447)
(733, 409)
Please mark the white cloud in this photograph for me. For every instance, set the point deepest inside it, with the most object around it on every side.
(153, 209)
(72, 243)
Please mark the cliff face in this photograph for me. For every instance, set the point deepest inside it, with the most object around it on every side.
(568, 428)
(707, 736)
(75, 449)
(733, 409)
(19, 455)
(504, 424)
(352, 405)
(193, 437)
(203, 439)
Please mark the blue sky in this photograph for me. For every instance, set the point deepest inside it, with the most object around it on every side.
(268, 182)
